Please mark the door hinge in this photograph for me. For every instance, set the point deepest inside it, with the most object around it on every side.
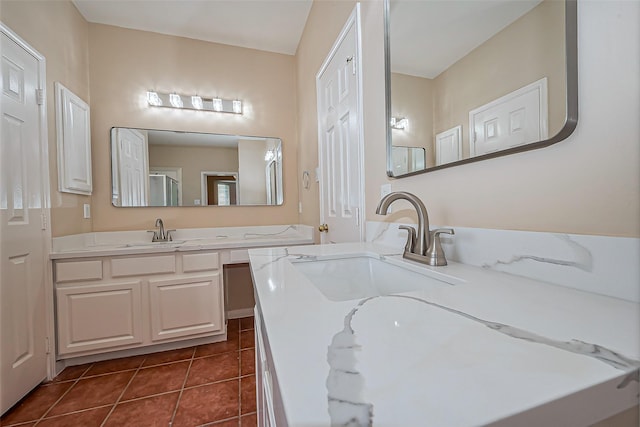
(47, 346)
(353, 64)
(358, 217)
(43, 220)
(39, 96)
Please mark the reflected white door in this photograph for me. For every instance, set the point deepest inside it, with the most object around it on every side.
(339, 137)
(449, 146)
(24, 213)
(133, 168)
(517, 118)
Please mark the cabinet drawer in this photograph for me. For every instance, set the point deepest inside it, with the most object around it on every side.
(135, 266)
(185, 306)
(98, 316)
(78, 270)
(200, 262)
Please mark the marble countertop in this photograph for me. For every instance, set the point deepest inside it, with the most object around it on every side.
(489, 349)
(139, 242)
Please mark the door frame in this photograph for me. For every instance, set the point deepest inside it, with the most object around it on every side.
(46, 198)
(352, 21)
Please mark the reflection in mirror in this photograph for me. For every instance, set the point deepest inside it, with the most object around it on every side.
(470, 80)
(170, 168)
(408, 159)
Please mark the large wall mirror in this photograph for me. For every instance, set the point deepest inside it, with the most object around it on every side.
(169, 168)
(472, 80)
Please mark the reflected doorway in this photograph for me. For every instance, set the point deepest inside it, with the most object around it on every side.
(220, 188)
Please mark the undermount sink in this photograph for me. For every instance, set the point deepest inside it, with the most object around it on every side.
(345, 279)
(171, 244)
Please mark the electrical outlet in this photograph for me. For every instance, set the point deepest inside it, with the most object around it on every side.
(86, 210)
(384, 190)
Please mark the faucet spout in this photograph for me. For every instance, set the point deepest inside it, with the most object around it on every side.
(161, 237)
(423, 239)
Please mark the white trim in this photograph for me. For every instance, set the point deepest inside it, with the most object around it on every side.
(353, 20)
(46, 193)
(240, 313)
(540, 86)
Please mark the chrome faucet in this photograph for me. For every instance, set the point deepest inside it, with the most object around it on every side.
(161, 235)
(424, 245)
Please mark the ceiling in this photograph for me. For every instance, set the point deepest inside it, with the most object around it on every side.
(450, 29)
(428, 36)
(271, 25)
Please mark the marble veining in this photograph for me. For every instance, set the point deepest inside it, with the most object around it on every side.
(604, 265)
(584, 256)
(345, 384)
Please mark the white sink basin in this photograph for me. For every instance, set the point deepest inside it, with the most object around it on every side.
(171, 244)
(362, 277)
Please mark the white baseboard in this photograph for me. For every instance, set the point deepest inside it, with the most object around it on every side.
(242, 312)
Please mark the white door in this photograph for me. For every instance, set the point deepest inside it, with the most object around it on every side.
(132, 171)
(449, 146)
(24, 214)
(340, 146)
(517, 118)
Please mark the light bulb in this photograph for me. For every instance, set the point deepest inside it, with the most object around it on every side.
(154, 99)
(196, 101)
(176, 100)
(237, 106)
(217, 104)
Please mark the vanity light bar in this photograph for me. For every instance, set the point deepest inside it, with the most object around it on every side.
(400, 123)
(195, 102)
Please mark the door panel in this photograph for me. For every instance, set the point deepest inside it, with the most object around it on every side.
(517, 118)
(339, 119)
(91, 317)
(23, 353)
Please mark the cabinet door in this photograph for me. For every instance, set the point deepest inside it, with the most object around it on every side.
(186, 306)
(94, 317)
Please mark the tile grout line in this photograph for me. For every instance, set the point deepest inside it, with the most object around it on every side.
(184, 382)
(63, 394)
(123, 391)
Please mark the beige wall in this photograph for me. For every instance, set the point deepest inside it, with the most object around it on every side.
(193, 160)
(252, 180)
(587, 184)
(60, 33)
(537, 33)
(412, 97)
(124, 64)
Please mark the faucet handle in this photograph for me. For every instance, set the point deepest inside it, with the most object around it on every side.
(411, 237)
(168, 234)
(155, 235)
(434, 252)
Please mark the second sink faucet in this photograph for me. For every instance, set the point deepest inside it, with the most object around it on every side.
(424, 245)
(161, 235)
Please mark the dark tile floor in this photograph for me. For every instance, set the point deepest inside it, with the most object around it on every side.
(211, 384)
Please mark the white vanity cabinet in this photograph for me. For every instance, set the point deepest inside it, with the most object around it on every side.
(269, 402)
(122, 302)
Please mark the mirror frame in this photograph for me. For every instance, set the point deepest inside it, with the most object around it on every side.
(571, 119)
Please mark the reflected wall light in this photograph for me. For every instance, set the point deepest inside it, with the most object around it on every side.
(400, 123)
(194, 102)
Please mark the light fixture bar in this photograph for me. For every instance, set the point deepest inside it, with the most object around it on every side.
(194, 102)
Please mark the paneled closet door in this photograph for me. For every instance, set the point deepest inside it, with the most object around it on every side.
(23, 223)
